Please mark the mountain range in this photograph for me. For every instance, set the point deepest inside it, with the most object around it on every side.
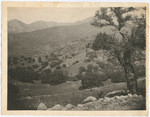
(35, 37)
(16, 26)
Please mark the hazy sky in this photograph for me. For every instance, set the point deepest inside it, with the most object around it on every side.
(29, 15)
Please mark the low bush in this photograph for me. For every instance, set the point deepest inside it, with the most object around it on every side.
(116, 76)
(140, 70)
(45, 76)
(44, 64)
(75, 62)
(100, 94)
(64, 66)
(23, 74)
(91, 78)
(58, 67)
(54, 63)
(87, 60)
(57, 77)
(53, 78)
(35, 66)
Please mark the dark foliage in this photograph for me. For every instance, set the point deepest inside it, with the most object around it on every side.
(100, 94)
(35, 66)
(75, 62)
(57, 77)
(23, 74)
(12, 97)
(53, 78)
(91, 78)
(55, 63)
(45, 76)
(64, 66)
(103, 41)
(116, 76)
(58, 67)
(39, 59)
(44, 64)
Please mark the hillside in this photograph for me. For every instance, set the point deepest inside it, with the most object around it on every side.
(35, 42)
(16, 26)
(23, 43)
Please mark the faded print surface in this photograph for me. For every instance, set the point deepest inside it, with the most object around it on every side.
(82, 58)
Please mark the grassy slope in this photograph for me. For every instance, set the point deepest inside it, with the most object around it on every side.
(63, 93)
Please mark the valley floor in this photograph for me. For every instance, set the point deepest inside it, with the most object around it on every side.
(32, 94)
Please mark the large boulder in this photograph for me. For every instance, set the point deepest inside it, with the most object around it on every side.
(56, 107)
(69, 106)
(80, 106)
(116, 93)
(42, 107)
(89, 99)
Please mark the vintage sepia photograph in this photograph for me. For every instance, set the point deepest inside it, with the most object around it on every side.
(77, 58)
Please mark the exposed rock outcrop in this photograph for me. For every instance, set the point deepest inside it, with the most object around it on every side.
(42, 107)
(90, 99)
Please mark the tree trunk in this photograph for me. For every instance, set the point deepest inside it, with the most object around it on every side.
(131, 78)
(130, 75)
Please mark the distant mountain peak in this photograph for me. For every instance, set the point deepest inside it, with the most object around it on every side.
(17, 26)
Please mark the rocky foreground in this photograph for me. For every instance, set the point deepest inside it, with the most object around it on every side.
(123, 102)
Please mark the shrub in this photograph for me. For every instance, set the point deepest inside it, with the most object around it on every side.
(12, 97)
(58, 67)
(35, 66)
(53, 78)
(73, 54)
(117, 76)
(57, 77)
(55, 63)
(75, 62)
(81, 70)
(87, 60)
(22, 64)
(103, 41)
(44, 64)
(15, 60)
(64, 66)
(91, 55)
(22, 74)
(100, 94)
(39, 59)
(53, 56)
(45, 76)
(140, 70)
(91, 78)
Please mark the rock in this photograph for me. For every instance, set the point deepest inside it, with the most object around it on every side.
(80, 106)
(122, 96)
(112, 98)
(69, 106)
(49, 109)
(135, 95)
(63, 109)
(117, 97)
(129, 95)
(116, 93)
(57, 107)
(42, 107)
(90, 99)
(108, 99)
(28, 98)
(100, 99)
(140, 96)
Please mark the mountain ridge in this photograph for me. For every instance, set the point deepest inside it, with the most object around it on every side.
(17, 26)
